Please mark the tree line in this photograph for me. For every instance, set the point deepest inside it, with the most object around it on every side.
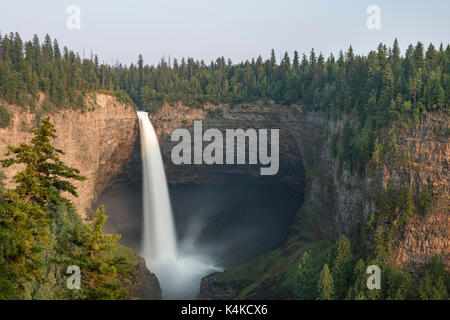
(380, 82)
(378, 87)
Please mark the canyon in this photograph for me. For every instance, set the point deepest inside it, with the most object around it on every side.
(103, 142)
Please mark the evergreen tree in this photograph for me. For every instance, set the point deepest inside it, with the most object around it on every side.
(29, 223)
(342, 267)
(87, 247)
(44, 176)
(23, 234)
(325, 286)
(397, 284)
(434, 286)
(305, 287)
(358, 289)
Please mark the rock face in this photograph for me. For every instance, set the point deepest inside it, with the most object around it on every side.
(146, 285)
(214, 289)
(245, 116)
(426, 146)
(339, 201)
(98, 143)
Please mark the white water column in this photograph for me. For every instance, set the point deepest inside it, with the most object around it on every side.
(159, 242)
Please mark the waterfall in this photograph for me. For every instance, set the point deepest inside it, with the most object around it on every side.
(179, 274)
(159, 238)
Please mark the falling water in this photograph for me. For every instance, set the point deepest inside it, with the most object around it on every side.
(159, 237)
(179, 273)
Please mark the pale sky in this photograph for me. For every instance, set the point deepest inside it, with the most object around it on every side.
(236, 29)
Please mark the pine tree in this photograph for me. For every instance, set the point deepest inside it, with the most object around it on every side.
(342, 267)
(28, 222)
(296, 62)
(325, 286)
(397, 284)
(22, 213)
(434, 285)
(273, 59)
(23, 234)
(395, 54)
(305, 285)
(87, 247)
(358, 289)
(45, 174)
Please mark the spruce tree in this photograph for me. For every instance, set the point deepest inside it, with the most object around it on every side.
(45, 175)
(87, 247)
(325, 286)
(27, 227)
(342, 267)
(434, 286)
(305, 285)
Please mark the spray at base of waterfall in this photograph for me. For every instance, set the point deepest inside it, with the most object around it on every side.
(180, 278)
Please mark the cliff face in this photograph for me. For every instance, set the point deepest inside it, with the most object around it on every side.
(426, 148)
(97, 142)
(338, 200)
(245, 116)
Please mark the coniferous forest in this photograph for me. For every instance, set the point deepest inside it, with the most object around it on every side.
(377, 88)
(40, 230)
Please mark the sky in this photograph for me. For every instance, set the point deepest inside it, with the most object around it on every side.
(236, 29)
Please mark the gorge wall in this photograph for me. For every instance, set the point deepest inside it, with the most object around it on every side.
(104, 144)
(337, 199)
(98, 142)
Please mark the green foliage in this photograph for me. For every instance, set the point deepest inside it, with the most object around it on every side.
(396, 284)
(305, 286)
(40, 231)
(396, 204)
(377, 88)
(123, 97)
(44, 176)
(325, 286)
(378, 154)
(382, 244)
(358, 289)
(23, 234)
(435, 284)
(425, 199)
(342, 267)
(5, 117)
(89, 248)
(2, 184)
